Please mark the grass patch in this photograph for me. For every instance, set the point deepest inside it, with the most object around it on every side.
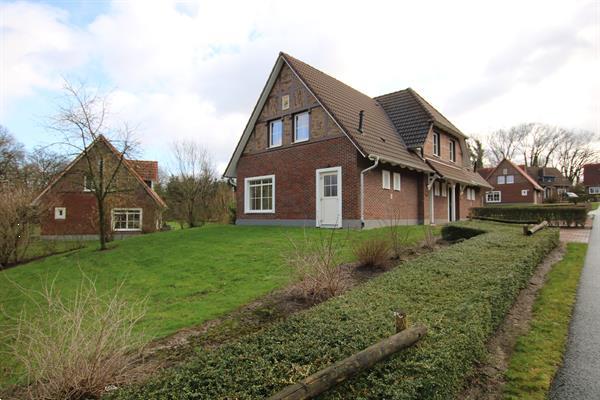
(461, 293)
(538, 354)
(188, 276)
(594, 205)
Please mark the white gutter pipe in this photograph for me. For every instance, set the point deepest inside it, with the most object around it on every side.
(362, 188)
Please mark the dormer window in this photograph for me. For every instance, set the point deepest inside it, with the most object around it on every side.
(452, 150)
(436, 144)
(275, 133)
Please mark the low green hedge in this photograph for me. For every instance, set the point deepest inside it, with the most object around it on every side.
(461, 293)
(560, 215)
(454, 232)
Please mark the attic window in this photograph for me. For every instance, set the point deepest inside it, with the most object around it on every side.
(436, 144)
(285, 102)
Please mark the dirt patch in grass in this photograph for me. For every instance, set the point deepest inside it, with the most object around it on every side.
(488, 380)
(259, 314)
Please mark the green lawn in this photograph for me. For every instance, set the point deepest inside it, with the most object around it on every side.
(40, 248)
(594, 205)
(538, 354)
(188, 276)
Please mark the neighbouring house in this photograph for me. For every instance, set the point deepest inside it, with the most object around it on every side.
(553, 182)
(591, 179)
(511, 184)
(69, 207)
(317, 152)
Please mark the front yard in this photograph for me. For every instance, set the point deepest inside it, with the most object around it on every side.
(188, 276)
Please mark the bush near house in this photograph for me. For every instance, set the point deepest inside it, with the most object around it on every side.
(559, 215)
(461, 293)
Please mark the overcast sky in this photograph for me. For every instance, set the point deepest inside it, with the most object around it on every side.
(195, 70)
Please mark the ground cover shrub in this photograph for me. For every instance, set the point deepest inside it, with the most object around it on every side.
(315, 264)
(73, 348)
(461, 293)
(556, 215)
(454, 232)
(372, 252)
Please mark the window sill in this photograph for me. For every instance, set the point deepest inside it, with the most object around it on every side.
(259, 212)
(273, 147)
(128, 230)
(301, 141)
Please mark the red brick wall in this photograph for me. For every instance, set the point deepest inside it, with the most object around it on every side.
(294, 169)
(444, 147)
(511, 193)
(387, 204)
(81, 211)
(591, 175)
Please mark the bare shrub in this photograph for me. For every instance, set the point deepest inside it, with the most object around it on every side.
(17, 219)
(74, 347)
(372, 252)
(428, 237)
(398, 236)
(315, 262)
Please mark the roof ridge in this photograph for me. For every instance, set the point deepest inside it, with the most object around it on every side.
(390, 93)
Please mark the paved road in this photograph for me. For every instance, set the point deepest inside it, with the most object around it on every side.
(579, 377)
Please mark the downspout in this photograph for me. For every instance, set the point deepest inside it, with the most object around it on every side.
(362, 188)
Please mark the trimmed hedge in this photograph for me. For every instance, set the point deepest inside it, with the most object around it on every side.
(461, 293)
(559, 215)
(454, 232)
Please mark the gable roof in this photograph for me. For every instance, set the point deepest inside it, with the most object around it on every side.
(412, 116)
(148, 170)
(461, 175)
(342, 103)
(127, 163)
(538, 172)
(536, 186)
(485, 172)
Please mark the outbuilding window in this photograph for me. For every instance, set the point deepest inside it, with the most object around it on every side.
(127, 219)
(259, 192)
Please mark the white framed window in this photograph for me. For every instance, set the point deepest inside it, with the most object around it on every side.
(259, 194)
(301, 127)
(385, 179)
(87, 183)
(594, 190)
(436, 144)
(493, 197)
(452, 150)
(127, 219)
(397, 181)
(285, 102)
(524, 192)
(275, 133)
(473, 194)
(436, 188)
(60, 212)
(504, 171)
(501, 179)
(510, 179)
(330, 185)
(561, 190)
(444, 189)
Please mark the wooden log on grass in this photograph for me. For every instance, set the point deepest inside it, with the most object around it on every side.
(533, 229)
(335, 374)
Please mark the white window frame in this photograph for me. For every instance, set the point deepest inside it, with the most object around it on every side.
(436, 144)
(510, 179)
(504, 171)
(501, 180)
(493, 192)
(57, 214)
(285, 102)
(524, 192)
(594, 190)
(436, 188)
(397, 181)
(444, 189)
(385, 179)
(296, 140)
(452, 150)
(112, 219)
(271, 145)
(85, 188)
(247, 209)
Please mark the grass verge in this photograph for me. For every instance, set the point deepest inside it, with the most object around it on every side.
(461, 293)
(538, 354)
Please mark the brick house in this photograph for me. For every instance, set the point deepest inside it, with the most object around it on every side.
(553, 182)
(318, 152)
(511, 184)
(69, 208)
(591, 178)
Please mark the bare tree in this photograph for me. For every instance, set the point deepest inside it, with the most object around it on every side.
(538, 143)
(82, 120)
(574, 151)
(17, 220)
(12, 156)
(192, 183)
(505, 143)
(42, 165)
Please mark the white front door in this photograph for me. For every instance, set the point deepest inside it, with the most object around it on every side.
(329, 197)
